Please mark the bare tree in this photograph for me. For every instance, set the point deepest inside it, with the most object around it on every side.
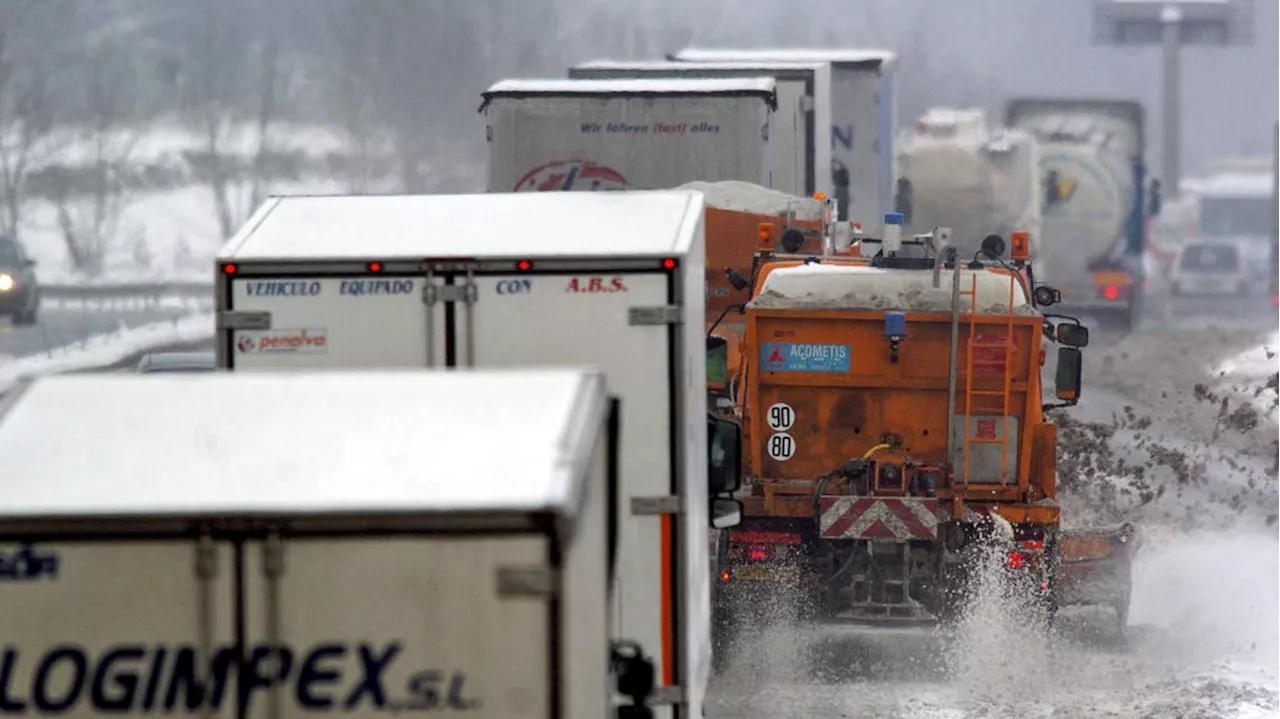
(30, 53)
(89, 201)
(233, 65)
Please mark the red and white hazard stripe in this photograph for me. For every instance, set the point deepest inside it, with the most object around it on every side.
(885, 519)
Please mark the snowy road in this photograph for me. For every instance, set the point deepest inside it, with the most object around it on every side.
(1203, 626)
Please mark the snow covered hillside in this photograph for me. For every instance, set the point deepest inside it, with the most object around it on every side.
(160, 219)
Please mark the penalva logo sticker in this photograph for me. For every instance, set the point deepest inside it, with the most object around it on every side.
(308, 341)
(570, 176)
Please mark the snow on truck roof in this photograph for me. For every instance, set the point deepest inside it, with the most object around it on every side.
(296, 443)
(857, 287)
(1236, 184)
(764, 86)
(693, 67)
(835, 56)
(756, 199)
(491, 225)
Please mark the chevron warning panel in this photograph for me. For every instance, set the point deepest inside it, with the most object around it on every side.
(884, 519)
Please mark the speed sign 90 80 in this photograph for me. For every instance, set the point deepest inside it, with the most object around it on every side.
(781, 417)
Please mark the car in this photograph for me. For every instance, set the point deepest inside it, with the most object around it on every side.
(19, 289)
(176, 362)
(1210, 269)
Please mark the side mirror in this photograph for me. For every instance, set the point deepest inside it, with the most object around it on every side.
(1068, 379)
(725, 513)
(1046, 296)
(724, 463)
(737, 279)
(1072, 335)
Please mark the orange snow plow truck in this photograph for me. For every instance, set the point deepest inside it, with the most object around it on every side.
(892, 406)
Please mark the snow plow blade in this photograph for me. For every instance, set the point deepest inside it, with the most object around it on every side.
(1095, 568)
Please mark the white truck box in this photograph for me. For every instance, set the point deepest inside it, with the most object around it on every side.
(609, 279)
(411, 541)
(864, 115)
(801, 124)
(630, 134)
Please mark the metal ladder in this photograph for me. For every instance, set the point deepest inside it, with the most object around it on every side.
(1006, 380)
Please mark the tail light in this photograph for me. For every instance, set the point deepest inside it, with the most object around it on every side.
(760, 552)
(1017, 560)
(1111, 292)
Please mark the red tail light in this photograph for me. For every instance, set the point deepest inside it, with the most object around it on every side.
(1017, 560)
(1111, 292)
(760, 552)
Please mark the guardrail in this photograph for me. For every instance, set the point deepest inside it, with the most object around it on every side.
(125, 290)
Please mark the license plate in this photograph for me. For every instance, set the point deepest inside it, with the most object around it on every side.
(766, 573)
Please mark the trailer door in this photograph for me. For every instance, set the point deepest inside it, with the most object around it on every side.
(379, 626)
(342, 322)
(584, 319)
(123, 627)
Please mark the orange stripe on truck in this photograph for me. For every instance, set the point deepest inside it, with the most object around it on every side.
(668, 594)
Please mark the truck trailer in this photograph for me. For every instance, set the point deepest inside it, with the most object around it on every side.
(268, 546)
(592, 135)
(610, 279)
(1098, 202)
(801, 123)
(863, 118)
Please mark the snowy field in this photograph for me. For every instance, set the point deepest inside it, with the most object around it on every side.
(170, 231)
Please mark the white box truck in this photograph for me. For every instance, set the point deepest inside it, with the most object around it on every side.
(561, 135)
(864, 115)
(275, 546)
(801, 124)
(608, 279)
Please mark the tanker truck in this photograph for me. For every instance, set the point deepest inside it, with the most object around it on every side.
(1096, 202)
(955, 170)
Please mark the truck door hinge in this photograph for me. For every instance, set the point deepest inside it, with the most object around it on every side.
(233, 320)
(663, 315)
(648, 506)
(466, 294)
(806, 103)
(527, 582)
(667, 695)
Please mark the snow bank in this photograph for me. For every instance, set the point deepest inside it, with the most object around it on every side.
(748, 197)
(834, 287)
(103, 350)
(1253, 377)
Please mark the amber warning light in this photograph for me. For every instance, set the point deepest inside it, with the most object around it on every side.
(1020, 246)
